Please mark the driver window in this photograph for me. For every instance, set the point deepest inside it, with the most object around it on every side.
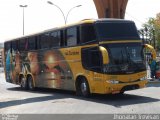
(92, 59)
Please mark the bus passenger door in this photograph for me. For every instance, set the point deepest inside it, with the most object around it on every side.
(92, 61)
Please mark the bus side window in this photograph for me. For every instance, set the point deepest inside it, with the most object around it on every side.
(38, 38)
(44, 41)
(22, 45)
(92, 59)
(7, 46)
(72, 36)
(55, 38)
(14, 45)
(32, 43)
(87, 33)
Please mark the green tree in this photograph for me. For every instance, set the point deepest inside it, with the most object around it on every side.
(151, 31)
(157, 29)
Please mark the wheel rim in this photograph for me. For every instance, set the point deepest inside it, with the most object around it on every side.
(30, 83)
(84, 88)
(23, 82)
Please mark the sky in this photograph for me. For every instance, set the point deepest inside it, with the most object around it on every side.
(40, 16)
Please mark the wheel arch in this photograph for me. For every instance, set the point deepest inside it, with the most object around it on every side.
(30, 75)
(79, 79)
(19, 77)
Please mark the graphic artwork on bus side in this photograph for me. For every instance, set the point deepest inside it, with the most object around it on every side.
(48, 68)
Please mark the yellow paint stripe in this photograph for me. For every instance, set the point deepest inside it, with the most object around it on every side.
(120, 41)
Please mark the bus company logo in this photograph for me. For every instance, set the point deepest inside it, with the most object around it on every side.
(71, 53)
(9, 117)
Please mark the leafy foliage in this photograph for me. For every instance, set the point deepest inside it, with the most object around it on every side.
(150, 31)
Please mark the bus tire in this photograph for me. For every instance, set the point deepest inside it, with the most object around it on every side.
(83, 87)
(24, 84)
(30, 83)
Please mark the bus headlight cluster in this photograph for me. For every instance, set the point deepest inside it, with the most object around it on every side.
(143, 78)
(113, 81)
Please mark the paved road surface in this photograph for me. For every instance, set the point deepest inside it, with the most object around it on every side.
(14, 100)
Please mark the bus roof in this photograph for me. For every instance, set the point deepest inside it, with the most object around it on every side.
(85, 21)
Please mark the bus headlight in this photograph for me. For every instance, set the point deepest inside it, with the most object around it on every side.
(113, 81)
(143, 78)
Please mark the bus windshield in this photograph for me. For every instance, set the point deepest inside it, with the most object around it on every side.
(125, 58)
(116, 30)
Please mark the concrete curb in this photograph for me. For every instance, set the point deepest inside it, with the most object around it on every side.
(154, 81)
(150, 80)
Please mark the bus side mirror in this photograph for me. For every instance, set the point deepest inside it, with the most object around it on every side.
(105, 56)
(152, 50)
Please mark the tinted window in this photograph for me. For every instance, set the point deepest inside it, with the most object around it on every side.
(15, 45)
(32, 43)
(125, 58)
(55, 38)
(92, 59)
(117, 31)
(23, 44)
(88, 33)
(72, 37)
(7, 45)
(44, 41)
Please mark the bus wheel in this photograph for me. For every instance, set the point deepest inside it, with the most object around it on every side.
(24, 85)
(30, 83)
(84, 87)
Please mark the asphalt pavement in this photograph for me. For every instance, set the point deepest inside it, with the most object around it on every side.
(50, 101)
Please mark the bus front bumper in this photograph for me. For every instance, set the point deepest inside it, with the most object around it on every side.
(121, 87)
